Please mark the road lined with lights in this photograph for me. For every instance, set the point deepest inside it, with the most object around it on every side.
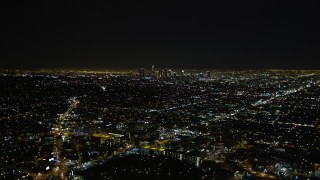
(60, 168)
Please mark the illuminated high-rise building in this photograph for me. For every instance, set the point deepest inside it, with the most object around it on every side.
(182, 72)
(169, 72)
(208, 74)
(141, 72)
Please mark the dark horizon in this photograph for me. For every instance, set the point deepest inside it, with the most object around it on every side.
(148, 69)
(130, 35)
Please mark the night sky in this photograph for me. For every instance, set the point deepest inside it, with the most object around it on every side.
(119, 34)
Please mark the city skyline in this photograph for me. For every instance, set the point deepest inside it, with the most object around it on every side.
(160, 124)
